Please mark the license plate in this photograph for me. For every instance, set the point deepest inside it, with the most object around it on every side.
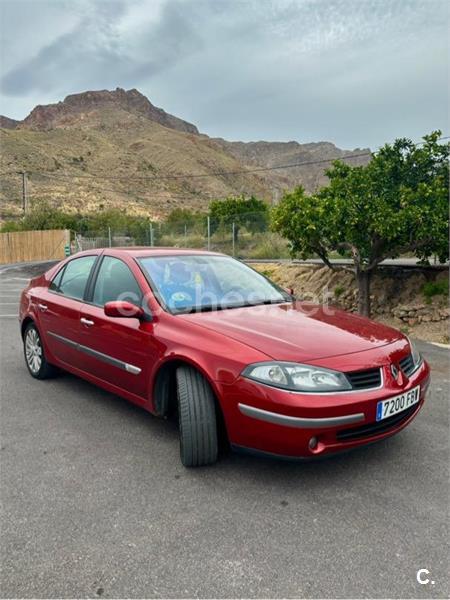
(392, 406)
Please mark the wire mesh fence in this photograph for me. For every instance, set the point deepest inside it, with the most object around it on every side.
(248, 236)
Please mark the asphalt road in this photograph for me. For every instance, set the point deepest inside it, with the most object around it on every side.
(96, 503)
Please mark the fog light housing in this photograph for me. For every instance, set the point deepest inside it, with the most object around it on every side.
(313, 442)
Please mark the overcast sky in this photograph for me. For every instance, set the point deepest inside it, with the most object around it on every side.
(355, 72)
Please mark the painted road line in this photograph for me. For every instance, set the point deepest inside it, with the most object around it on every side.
(16, 280)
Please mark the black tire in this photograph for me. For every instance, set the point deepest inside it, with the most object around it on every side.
(39, 369)
(197, 419)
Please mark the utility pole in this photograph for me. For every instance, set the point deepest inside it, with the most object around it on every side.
(233, 234)
(109, 237)
(209, 232)
(24, 193)
(151, 234)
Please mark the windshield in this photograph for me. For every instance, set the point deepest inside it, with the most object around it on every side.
(199, 283)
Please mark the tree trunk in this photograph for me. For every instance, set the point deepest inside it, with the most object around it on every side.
(363, 279)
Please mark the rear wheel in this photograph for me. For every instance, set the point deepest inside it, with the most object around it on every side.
(34, 353)
(197, 419)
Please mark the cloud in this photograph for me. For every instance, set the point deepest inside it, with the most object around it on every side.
(95, 51)
(357, 72)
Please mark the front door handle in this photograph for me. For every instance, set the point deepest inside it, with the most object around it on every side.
(42, 307)
(86, 322)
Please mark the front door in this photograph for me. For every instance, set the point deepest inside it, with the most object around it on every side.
(116, 350)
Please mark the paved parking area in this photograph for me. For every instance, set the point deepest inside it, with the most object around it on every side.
(96, 503)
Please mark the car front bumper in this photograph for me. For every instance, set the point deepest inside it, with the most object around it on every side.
(264, 419)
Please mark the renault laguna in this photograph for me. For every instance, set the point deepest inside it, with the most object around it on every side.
(204, 337)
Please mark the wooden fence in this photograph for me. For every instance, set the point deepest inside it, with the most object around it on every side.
(24, 246)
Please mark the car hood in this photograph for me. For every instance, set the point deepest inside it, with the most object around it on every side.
(297, 331)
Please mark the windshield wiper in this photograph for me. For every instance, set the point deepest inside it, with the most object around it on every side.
(212, 307)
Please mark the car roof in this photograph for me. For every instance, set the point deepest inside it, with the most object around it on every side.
(143, 251)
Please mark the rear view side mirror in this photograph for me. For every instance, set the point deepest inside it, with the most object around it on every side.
(123, 309)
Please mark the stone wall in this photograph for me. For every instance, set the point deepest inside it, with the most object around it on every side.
(397, 295)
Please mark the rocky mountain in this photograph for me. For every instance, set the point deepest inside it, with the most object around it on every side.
(116, 149)
(277, 154)
(7, 123)
(76, 107)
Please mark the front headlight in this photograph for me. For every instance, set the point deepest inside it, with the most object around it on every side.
(297, 377)
(416, 356)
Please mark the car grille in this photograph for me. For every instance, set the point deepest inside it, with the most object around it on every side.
(371, 429)
(364, 380)
(407, 365)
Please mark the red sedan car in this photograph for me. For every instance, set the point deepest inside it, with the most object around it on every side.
(206, 337)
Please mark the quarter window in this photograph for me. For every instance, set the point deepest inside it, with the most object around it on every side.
(71, 280)
(54, 285)
(115, 281)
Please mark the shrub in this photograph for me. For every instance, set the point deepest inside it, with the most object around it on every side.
(435, 288)
(339, 290)
(268, 245)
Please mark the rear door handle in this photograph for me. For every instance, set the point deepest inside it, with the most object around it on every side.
(42, 307)
(86, 322)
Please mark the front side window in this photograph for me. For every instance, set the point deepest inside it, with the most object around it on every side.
(72, 279)
(115, 281)
(199, 283)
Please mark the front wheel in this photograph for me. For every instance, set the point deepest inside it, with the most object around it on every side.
(34, 353)
(197, 419)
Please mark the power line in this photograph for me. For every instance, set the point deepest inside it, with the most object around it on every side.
(247, 171)
(212, 174)
(196, 175)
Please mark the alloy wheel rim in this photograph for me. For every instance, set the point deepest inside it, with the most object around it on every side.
(33, 350)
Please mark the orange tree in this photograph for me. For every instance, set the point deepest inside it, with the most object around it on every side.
(396, 204)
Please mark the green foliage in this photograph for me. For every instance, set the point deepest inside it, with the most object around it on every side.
(339, 290)
(302, 220)
(44, 216)
(267, 273)
(397, 203)
(435, 288)
(180, 220)
(264, 245)
(251, 213)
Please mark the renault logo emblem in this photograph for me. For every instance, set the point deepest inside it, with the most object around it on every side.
(394, 371)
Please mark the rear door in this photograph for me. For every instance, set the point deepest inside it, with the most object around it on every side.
(59, 308)
(117, 350)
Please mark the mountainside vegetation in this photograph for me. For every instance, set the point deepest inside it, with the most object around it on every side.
(114, 149)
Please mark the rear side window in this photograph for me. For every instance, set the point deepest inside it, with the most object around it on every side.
(72, 279)
(115, 281)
